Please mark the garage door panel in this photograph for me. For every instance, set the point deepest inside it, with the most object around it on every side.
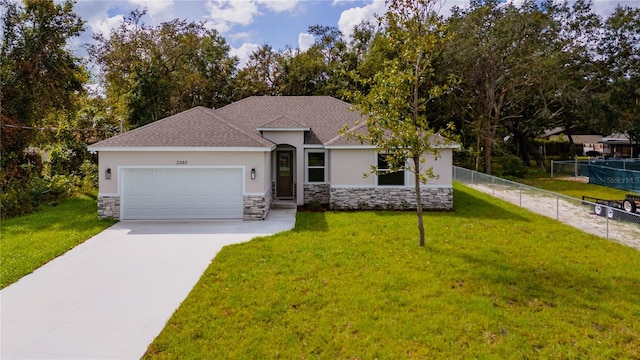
(196, 193)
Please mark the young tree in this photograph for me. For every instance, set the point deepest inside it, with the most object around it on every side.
(400, 93)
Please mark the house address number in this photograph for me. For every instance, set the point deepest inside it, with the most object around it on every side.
(181, 162)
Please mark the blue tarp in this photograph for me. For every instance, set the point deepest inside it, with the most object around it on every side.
(616, 178)
(618, 164)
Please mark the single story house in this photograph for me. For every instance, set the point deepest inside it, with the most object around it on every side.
(583, 141)
(619, 145)
(233, 162)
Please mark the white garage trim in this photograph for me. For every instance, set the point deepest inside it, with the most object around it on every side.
(181, 192)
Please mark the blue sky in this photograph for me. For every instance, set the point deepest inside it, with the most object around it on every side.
(248, 24)
(245, 24)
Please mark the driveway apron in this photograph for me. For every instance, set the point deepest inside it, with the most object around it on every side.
(109, 297)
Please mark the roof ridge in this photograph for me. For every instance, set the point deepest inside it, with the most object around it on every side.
(147, 125)
(337, 137)
(258, 139)
(284, 116)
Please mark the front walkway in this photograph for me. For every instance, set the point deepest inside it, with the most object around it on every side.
(109, 297)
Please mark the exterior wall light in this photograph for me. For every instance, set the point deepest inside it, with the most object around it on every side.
(107, 174)
(253, 174)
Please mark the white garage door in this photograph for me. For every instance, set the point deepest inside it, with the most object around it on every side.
(184, 193)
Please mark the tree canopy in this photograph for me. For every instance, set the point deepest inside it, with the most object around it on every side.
(153, 72)
(501, 73)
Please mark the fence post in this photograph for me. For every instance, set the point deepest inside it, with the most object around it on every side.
(575, 172)
(552, 169)
(520, 195)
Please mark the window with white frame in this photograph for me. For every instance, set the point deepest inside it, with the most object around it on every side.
(385, 176)
(316, 166)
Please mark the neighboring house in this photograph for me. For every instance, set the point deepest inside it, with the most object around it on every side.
(619, 145)
(583, 141)
(233, 162)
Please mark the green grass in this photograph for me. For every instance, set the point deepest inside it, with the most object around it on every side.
(30, 241)
(494, 282)
(574, 188)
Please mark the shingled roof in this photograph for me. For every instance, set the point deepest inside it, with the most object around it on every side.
(324, 115)
(197, 127)
(237, 124)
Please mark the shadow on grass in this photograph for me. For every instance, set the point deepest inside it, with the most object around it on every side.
(311, 222)
(468, 203)
(541, 281)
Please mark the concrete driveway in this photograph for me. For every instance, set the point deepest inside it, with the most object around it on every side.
(109, 297)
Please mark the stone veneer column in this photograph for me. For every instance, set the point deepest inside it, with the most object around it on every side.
(109, 207)
(320, 193)
(256, 207)
(390, 198)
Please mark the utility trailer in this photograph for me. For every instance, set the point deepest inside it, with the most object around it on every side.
(603, 207)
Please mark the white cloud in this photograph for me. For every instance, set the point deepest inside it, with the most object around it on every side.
(338, 2)
(238, 36)
(223, 14)
(279, 5)
(103, 24)
(305, 41)
(243, 53)
(354, 16)
(605, 8)
(154, 7)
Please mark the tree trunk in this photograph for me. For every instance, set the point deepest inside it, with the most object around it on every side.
(416, 162)
(529, 148)
(572, 150)
(488, 144)
(477, 154)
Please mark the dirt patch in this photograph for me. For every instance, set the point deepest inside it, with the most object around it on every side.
(581, 179)
(571, 212)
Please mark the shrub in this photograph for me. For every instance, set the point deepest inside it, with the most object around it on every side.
(22, 197)
(509, 165)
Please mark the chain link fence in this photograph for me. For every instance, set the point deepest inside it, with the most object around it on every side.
(576, 168)
(619, 174)
(607, 220)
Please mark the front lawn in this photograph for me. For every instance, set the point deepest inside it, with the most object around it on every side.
(494, 281)
(30, 241)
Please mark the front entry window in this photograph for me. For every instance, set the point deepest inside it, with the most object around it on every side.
(284, 162)
(316, 167)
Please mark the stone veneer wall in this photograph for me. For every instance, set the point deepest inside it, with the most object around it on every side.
(320, 193)
(256, 207)
(109, 207)
(391, 198)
